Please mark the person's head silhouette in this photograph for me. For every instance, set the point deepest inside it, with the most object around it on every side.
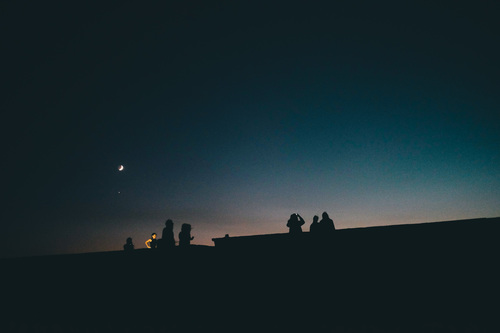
(169, 223)
(325, 215)
(153, 235)
(128, 245)
(186, 227)
(315, 219)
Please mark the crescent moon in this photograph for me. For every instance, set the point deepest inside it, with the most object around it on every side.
(120, 168)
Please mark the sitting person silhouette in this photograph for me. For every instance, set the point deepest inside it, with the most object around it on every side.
(326, 223)
(152, 243)
(167, 235)
(128, 245)
(185, 235)
(295, 224)
(315, 227)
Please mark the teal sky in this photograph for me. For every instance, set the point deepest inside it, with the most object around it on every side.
(231, 117)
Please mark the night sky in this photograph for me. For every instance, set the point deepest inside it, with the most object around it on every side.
(231, 115)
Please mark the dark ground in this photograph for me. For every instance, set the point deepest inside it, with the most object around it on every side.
(439, 277)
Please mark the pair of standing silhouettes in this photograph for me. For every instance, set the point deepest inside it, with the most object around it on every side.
(325, 225)
(296, 222)
(167, 237)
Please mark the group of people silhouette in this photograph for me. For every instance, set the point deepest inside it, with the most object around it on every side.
(167, 240)
(296, 222)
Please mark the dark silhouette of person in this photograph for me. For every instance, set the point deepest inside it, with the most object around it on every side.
(315, 227)
(152, 243)
(128, 245)
(295, 224)
(185, 235)
(326, 223)
(167, 235)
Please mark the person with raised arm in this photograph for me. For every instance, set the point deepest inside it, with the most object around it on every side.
(295, 224)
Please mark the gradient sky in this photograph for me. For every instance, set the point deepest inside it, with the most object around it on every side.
(232, 115)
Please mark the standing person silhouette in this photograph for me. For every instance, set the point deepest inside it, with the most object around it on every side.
(326, 223)
(295, 224)
(185, 235)
(167, 235)
(152, 243)
(315, 227)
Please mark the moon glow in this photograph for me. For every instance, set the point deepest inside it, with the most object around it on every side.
(121, 167)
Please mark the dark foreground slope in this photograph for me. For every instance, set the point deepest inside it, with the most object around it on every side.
(431, 277)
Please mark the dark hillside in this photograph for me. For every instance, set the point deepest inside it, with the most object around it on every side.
(433, 277)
